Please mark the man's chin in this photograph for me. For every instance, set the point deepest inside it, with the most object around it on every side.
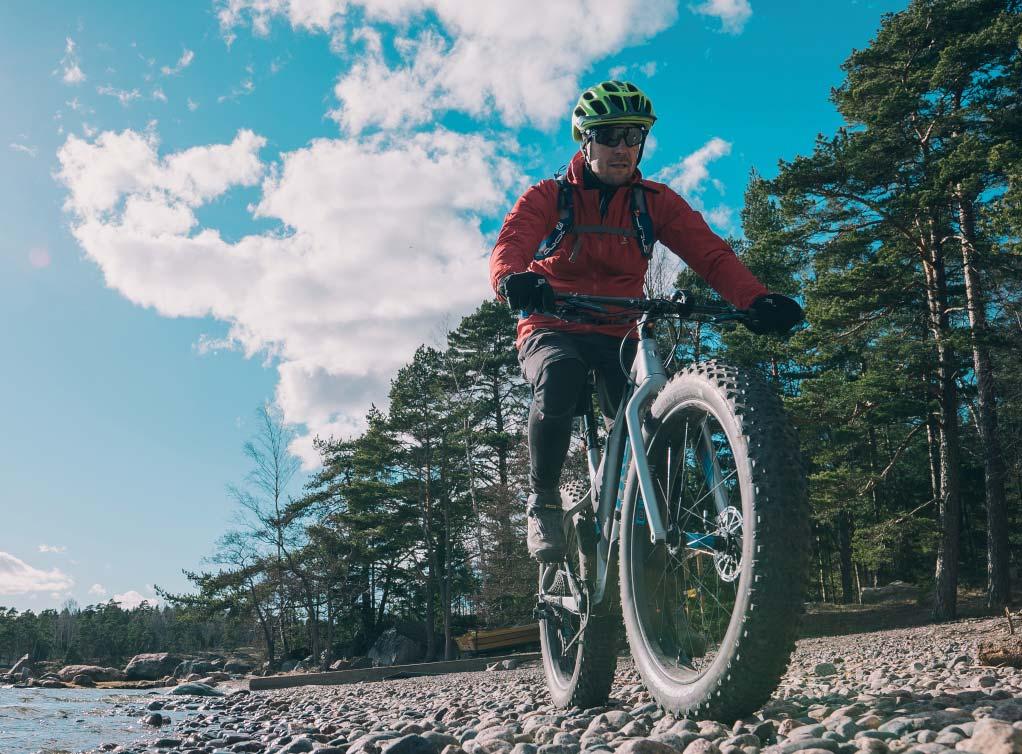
(615, 177)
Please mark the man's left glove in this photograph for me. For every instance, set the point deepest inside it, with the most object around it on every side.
(527, 291)
(774, 313)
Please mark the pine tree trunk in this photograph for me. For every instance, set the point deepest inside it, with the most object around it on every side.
(844, 539)
(477, 514)
(945, 602)
(998, 583)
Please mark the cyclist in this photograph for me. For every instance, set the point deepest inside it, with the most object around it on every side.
(594, 230)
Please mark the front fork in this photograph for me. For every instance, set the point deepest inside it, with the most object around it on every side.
(648, 377)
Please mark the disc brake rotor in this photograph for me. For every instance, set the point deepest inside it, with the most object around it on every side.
(727, 560)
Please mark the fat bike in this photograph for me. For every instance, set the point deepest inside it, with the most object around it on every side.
(691, 531)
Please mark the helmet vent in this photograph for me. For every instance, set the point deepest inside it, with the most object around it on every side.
(617, 101)
(610, 86)
(600, 108)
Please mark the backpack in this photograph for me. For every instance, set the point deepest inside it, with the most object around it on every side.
(641, 221)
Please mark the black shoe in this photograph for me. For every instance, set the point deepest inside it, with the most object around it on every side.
(546, 527)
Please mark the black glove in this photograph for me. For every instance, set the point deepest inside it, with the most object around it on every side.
(773, 313)
(527, 291)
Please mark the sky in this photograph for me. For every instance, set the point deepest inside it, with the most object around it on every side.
(215, 204)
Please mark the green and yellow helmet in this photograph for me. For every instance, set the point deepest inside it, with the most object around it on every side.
(611, 103)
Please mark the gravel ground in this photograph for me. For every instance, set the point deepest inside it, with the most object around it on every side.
(914, 691)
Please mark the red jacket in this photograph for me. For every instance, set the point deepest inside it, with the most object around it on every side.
(606, 264)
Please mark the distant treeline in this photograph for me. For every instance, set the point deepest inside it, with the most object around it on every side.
(900, 233)
(110, 635)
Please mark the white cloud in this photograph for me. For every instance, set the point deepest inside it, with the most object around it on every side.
(244, 89)
(522, 65)
(30, 151)
(73, 74)
(132, 599)
(732, 13)
(652, 144)
(126, 165)
(52, 548)
(192, 105)
(688, 175)
(70, 71)
(721, 216)
(159, 95)
(97, 590)
(123, 96)
(365, 270)
(18, 577)
(183, 62)
(208, 344)
(622, 71)
(648, 69)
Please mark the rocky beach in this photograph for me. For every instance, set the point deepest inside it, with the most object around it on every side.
(917, 690)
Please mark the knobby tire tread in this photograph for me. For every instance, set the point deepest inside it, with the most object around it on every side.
(763, 650)
(591, 685)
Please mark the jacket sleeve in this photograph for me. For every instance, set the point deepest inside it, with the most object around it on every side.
(686, 234)
(525, 227)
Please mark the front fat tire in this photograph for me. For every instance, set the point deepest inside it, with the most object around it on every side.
(760, 637)
(591, 674)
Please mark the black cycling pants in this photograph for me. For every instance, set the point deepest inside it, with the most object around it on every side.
(556, 364)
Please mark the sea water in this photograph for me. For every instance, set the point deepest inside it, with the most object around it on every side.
(68, 720)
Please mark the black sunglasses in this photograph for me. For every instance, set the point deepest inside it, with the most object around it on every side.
(611, 136)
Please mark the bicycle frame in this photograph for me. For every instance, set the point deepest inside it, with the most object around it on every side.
(621, 468)
(621, 472)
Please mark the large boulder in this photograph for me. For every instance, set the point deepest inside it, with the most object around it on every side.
(394, 648)
(190, 667)
(151, 666)
(238, 665)
(894, 592)
(95, 672)
(195, 689)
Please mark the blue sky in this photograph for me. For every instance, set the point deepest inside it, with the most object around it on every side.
(212, 204)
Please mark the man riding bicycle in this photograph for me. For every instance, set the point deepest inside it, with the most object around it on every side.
(594, 230)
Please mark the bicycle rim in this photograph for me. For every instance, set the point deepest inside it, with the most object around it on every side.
(688, 591)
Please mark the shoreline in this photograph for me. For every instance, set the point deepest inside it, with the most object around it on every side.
(916, 690)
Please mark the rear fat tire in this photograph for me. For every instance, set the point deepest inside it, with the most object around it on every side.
(595, 655)
(757, 645)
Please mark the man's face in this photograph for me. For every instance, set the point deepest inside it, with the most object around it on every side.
(613, 165)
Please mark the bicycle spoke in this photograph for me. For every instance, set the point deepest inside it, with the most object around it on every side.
(710, 492)
(706, 521)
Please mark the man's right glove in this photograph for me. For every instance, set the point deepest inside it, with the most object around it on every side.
(774, 313)
(527, 291)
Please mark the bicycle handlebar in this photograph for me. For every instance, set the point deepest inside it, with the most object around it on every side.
(681, 304)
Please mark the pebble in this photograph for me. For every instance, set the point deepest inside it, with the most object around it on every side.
(905, 691)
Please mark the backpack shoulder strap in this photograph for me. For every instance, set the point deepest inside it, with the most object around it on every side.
(565, 219)
(642, 221)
